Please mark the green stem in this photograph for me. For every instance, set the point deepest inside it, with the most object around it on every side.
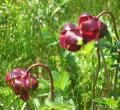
(116, 79)
(49, 74)
(96, 78)
(106, 73)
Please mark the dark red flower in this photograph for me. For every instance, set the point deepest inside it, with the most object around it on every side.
(17, 86)
(91, 27)
(70, 38)
(24, 95)
(21, 82)
(83, 17)
(30, 82)
(15, 74)
(103, 29)
(69, 27)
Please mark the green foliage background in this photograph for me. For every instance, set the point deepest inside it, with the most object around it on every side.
(29, 32)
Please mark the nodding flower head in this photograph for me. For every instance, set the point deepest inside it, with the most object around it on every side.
(70, 38)
(15, 74)
(21, 82)
(91, 27)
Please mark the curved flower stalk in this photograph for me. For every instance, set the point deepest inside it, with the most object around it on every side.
(21, 81)
(49, 74)
(89, 28)
(113, 19)
(103, 59)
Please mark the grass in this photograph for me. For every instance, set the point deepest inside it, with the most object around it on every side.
(29, 31)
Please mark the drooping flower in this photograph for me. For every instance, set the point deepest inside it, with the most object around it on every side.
(15, 74)
(21, 82)
(103, 29)
(70, 38)
(91, 27)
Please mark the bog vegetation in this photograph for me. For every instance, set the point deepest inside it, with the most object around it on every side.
(29, 33)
